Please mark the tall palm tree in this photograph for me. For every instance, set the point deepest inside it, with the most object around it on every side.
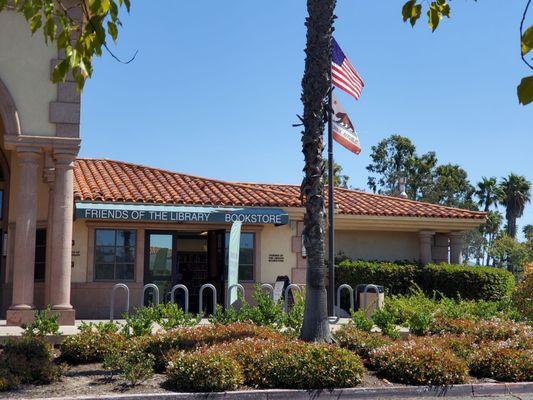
(491, 228)
(315, 86)
(516, 193)
(488, 192)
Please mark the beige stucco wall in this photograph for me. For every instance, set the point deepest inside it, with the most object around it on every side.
(275, 240)
(378, 245)
(80, 237)
(25, 71)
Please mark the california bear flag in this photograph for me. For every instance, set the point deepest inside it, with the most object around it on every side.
(343, 129)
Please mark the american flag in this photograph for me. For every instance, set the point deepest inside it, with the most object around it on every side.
(343, 74)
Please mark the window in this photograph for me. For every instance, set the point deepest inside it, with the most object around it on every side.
(114, 257)
(246, 256)
(40, 255)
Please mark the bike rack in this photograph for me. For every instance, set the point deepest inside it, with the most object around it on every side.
(115, 287)
(371, 286)
(201, 297)
(156, 292)
(349, 288)
(238, 286)
(185, 290)
(287, 290)
(268, 287)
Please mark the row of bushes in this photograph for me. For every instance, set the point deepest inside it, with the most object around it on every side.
(28, 359)
(453, 281)
(501, 350)
(231, 356)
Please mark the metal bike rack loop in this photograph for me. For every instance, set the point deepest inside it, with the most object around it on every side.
(349, 288)
(287, 290)
(268, 287)
(185, 290)
(201, 299)
(377, 294)
(156, 292)
(115, 287)
(238, 287)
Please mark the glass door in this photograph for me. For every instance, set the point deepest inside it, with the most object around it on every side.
(158, 265)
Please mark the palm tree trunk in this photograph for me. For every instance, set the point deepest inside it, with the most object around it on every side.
(511, 226)
(315, 86)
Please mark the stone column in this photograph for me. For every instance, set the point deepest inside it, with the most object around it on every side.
(456, 248)
(60, 277)
(441, 248)
(425, 239)
(21, 310)
(48, 177)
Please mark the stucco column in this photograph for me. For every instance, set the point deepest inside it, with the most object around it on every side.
(456, 248)
(48, 178)
(61, 237)
(21, 310)
(425, 239)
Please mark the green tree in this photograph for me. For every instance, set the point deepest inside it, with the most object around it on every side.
(510, 254)
(339, 179)
(81, 28)
(516, 193)
(395, 157)
(488, 193)
(490, 230)
(450, 187)
(528, 232)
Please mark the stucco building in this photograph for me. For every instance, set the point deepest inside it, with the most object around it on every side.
(72, 228)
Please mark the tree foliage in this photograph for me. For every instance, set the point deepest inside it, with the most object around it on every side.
(80, 28)
(438, 9)
(516, 193)
(395, 157)
(339, 179)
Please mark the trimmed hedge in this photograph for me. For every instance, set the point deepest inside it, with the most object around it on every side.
(476, 283)
(396, 278)
(486, 283)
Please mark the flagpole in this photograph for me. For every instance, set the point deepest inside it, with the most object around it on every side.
(331, 205)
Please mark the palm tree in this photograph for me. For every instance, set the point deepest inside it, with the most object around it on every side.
(491, 228)
(315, 87)
(516, 193)
(488, 192)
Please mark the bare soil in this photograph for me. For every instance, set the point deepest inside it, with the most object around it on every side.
(92, 379)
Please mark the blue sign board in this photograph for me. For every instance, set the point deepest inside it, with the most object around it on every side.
(179, 214)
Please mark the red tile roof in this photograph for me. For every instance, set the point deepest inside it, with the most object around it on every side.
(116, 181)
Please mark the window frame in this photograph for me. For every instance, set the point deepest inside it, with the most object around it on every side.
(133, 263)
(254, 257)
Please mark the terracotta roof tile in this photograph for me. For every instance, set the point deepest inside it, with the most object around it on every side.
(116, 181)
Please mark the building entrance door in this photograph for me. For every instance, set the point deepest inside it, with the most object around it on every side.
(188, 258)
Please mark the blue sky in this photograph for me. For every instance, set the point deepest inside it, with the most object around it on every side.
(216, 86)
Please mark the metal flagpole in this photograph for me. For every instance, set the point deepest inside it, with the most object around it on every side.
(331, 206)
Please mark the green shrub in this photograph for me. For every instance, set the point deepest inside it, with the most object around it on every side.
(204, 371)
(454, 281)
(502, 330)
(499, 360)
(161, 344)
(266, 312)
(419, 361)
(129, 359)
(523, 293)
(361, 321)
(166, 315)
(8, 380)
(385, 321)
(45, 323)
(89, 345)
(29, 360)
(294, 364)
(396, 278)
(477, 283)
(443, 325)
(362, 342)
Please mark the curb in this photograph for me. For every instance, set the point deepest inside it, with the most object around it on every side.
(467, 390)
